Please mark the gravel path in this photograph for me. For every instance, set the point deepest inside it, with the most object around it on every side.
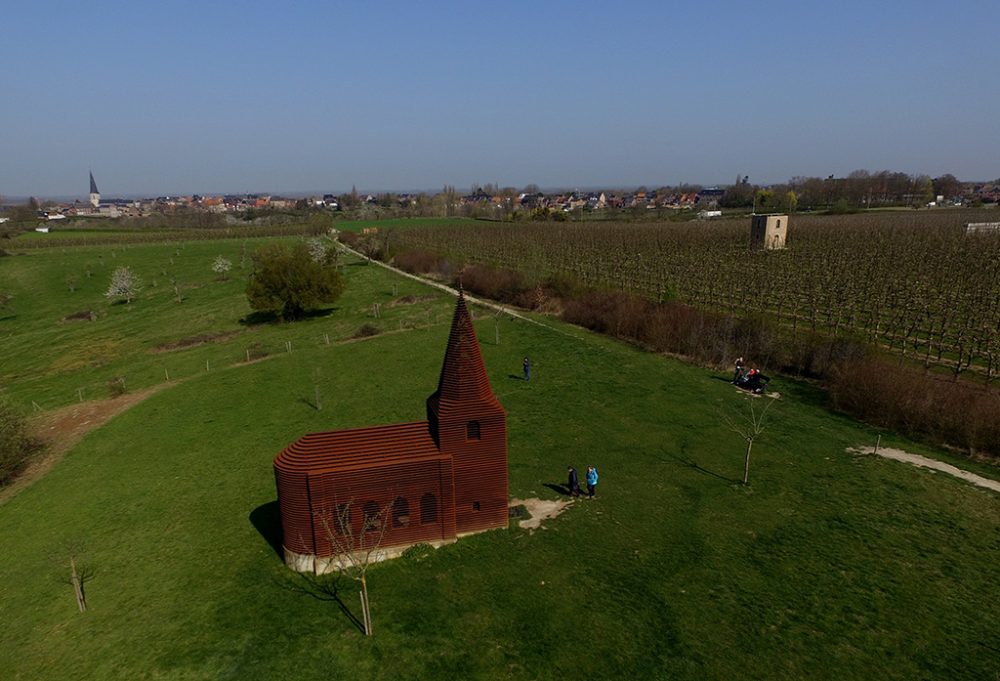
(924, 462)
(500, 308)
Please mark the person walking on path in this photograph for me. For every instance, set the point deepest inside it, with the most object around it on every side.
(574, 482)
(739, 370)
(526, 365)
(591, 481)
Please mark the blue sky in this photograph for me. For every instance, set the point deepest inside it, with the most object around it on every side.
(181, 97)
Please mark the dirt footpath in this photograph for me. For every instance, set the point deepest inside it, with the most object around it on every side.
(540, 510)
(924, 462)
(62, 429)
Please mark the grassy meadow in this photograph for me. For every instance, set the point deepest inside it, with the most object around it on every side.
(827, 566)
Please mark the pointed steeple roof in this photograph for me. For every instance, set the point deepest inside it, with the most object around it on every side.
(463, 375)
(93, 185)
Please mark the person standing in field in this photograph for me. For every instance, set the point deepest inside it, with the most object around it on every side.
(591, 481)
(526, 366)
(574, 482)
(739, 370)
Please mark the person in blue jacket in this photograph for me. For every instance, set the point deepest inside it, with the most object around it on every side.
(591, 481)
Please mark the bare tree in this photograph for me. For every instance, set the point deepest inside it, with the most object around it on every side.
(749, 427)
(353, 551)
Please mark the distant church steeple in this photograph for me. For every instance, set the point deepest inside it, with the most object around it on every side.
(95, 195)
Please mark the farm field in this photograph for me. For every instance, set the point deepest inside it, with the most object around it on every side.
(912, 282)
(64, 354)
(827, 565)
(82, 233)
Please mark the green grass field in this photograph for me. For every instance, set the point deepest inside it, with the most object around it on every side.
(825, 566)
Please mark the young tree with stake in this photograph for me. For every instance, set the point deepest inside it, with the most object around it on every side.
(353, 551)
(749, 427)
(221, 266)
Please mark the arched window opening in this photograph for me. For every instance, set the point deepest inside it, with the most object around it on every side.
(428, 508)
(371, 516)
(400, 512)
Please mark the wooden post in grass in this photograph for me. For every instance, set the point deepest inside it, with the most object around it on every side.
(316, 377)
(79, 575)
(878, 441)
(166, 374)
(81, 599)
(496, 324)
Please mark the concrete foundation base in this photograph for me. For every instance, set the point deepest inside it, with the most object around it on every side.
(321, 565)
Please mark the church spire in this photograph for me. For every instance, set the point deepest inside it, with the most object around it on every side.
(463, 375)
(95, 195)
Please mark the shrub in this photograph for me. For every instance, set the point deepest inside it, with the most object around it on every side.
(17, 445)
(367, 330)
(418, 262)
(563, 285)
(842, 207)
(507, 286)
(918, 404)
(117, 386)
(288, 282)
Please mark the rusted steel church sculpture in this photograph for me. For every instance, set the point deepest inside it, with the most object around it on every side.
(440, 478)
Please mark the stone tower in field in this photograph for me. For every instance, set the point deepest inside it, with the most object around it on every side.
(95, 196)
(768, 232)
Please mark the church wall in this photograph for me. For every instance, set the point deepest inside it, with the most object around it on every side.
(382, 486)
(480, 468)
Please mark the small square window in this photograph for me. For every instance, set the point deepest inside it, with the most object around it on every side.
(472, 430)
(475, 506)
